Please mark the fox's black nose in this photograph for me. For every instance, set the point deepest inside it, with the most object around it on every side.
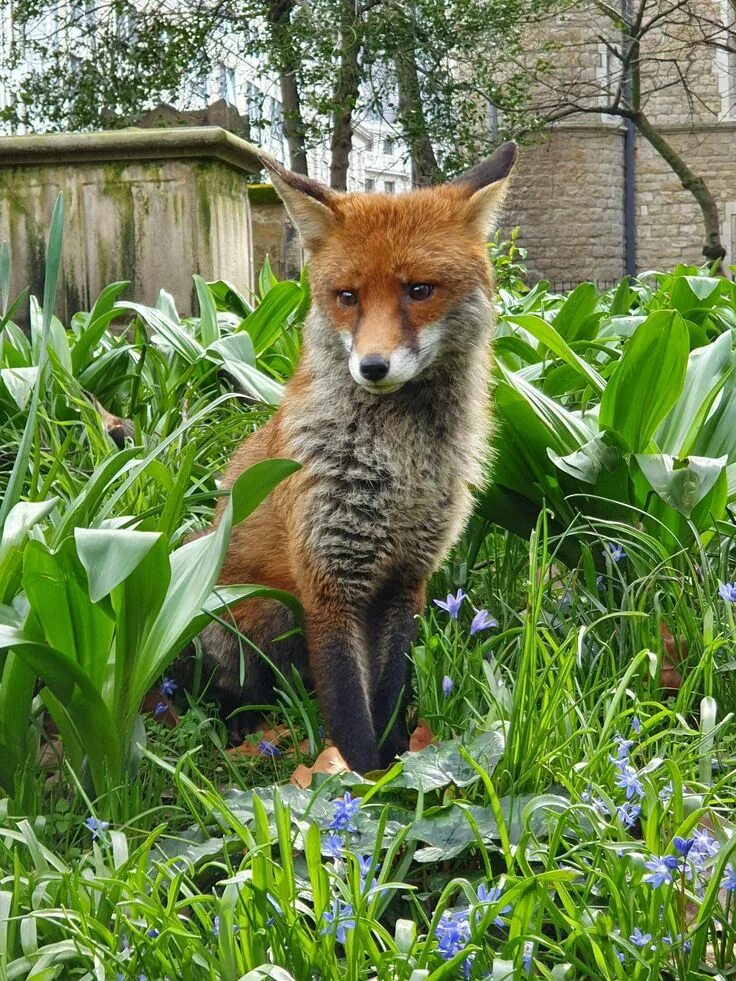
(374, 367)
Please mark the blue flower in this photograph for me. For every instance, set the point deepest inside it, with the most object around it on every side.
(482, 621)
(265, 748)
(364, 865)
(683, 845)
(624, 745)
(161, 708)
(340, 919)
(333, 846)
(153, 933)
(705, 845)
(526, 957)
(492, 895)
(660, 870)
(599, 584)
(636, 724)
(628, 779)
(345, 810)
(727, 591)
(167, 687)
(96, 827)
(729, 879)
(447, 686)
(640, 939)
(613, 551)
(452, 933)
(666, 792)
(452, 604)
(628, 814)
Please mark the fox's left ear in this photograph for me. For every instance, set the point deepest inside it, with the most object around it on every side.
(486, 185)
(307, 202)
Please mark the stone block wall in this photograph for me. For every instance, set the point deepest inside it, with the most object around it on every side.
(567, 196)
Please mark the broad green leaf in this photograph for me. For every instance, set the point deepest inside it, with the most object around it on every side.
(586, 463)
(707, 371)
(266, 278)
(681, 484)
(439, 766)
(254, 382)
(255, 484)
(167, 330)
(234, 347)
(547, 334)
(571, 320)
(22, 517)
(109, 556)
(647, 381)
(270, 316)
(20, 383)
(209, 330)
(82, 510)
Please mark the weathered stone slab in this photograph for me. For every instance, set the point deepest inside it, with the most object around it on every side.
(149, 206)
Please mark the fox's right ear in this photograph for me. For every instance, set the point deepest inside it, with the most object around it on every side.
(486, 184)
(307, 202)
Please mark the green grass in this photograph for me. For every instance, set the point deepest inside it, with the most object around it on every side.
(507, 849)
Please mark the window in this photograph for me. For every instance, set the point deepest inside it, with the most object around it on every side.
(227, 84)
(389, 187)
(388, 145)
(369, 184)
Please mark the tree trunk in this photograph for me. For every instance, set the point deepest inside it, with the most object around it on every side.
(712, 246)
(424, 167)
(284, 54)
(345, 94)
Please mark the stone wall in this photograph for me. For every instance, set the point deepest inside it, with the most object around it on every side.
(567, 196)
(152, 207)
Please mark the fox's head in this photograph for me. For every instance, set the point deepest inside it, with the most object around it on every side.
(392, 276)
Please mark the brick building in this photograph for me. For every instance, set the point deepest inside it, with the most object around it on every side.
(570, 193)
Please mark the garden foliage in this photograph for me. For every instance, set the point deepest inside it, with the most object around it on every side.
(573, 816)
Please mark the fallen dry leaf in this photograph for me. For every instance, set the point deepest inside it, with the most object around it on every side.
(151, 703)
(274, 736)
(421, 737)
(328, 761)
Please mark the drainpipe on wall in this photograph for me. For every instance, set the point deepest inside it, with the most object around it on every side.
(629, 173)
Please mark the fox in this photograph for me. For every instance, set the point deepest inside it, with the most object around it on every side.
(388, 412)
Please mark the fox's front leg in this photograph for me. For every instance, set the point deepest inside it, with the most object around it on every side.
(337, 655)
(392, 628)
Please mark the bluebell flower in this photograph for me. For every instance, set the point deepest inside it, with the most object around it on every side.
(333, 846)
(153, 933)
(493, 895)
(364, 865)
(452, 933)
(447, 686)
(526, 957)
(624, 745)
(683, 845)
(265, 748)
(660, 870)
(167, 687)
(640, 939)
(727, 591)
(340, 919)
(482, 621)
(729, 880)
(614, 551)
(346, 808)
(628, 814)
(161, 708)
(705, 845)
(599, 583)
(96, 827)
(665, 794)
(452, 604)
(636, 724)
(627, 778)
(620, 955)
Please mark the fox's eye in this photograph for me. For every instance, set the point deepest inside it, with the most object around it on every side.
(420, 291)
(347, 298)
